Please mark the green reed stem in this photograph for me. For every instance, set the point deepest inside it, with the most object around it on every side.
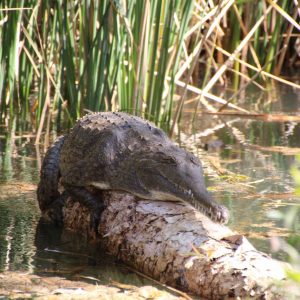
(110, 54)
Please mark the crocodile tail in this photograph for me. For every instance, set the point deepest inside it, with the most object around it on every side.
(47, 191)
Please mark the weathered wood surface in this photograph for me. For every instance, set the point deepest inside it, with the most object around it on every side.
(179, 246)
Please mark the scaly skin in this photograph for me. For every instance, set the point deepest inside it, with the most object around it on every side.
(49, 198)
(117, 151)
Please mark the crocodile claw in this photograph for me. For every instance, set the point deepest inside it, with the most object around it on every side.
(220, 214)
(54, 211)
(95, 216)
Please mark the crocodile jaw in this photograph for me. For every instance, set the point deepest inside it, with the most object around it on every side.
(155, 195)
(100, 185)
(158, 195)
(197, 197)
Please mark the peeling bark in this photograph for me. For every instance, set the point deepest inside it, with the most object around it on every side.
(179, 246)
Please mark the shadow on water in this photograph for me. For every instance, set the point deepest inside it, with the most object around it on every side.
(64, 253)
(251, 178)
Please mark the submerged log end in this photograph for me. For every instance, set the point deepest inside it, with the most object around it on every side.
(179, 246)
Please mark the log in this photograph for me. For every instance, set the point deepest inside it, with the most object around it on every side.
(179, 246)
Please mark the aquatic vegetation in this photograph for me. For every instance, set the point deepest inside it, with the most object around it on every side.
(59, 58)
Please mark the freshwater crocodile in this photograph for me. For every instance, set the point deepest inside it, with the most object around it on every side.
(118, 151)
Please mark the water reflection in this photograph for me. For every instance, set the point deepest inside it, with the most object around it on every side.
(64, 253)
(18, 219)
(251, 160)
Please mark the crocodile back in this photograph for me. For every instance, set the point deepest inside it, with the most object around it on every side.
(100, 142)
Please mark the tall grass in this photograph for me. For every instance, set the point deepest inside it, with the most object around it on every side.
(97, 55)
(60, 57)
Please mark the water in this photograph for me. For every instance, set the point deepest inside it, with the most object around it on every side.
(253, 179)
(255, 157)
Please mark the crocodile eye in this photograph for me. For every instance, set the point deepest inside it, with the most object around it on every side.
(170, 160)
(157, 132)
(165, 158)
(194, 160)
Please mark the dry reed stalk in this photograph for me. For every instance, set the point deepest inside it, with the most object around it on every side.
(202, 20)
(42, 58)
(267, 74)
(242, 88)
(284, 14)
(279, 65)
(233, 55)
(43, 115)
(140, 54)
(214, 63)
(215, 22)
(212, 27)
(247, 78)
(209, 96)
(245, 32)
(31, 59)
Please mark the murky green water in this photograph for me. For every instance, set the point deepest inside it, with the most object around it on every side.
(255, 179)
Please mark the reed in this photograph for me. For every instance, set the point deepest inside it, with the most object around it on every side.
(59, 58)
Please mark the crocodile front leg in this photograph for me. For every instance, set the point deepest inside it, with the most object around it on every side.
(54, 210)
(47, 191)
(89, 200)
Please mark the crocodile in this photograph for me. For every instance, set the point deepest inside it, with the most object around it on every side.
(118, 151)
